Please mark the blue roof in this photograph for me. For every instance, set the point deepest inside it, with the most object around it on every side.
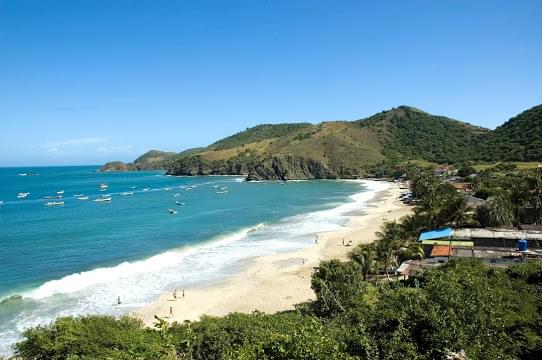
(436, 234)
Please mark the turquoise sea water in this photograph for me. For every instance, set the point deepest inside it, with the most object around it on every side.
(77, 258)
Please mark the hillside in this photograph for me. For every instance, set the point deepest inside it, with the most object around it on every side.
(335, 149)
(518, 139)
(151, 160)
(350, 149)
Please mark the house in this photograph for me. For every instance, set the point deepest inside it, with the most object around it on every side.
(443, 170)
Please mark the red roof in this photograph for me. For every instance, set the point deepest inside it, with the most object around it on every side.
(441, 250)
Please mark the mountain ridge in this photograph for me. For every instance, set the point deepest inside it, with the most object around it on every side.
(349, 149)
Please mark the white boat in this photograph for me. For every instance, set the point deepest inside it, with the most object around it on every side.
(22, 195)
(132, 187)
(221, 192)
(23, 174)
(104, 186)
(106, 196)
(54, 203)
(102, 200)
(78, 195)
(179, 203)
(215, 186)
(60, 192)
(176, 195)
(53, 197)
(104, 189)
(167, 189)
(127, 193)
(172, 211)
(82, 198)
(146, 189)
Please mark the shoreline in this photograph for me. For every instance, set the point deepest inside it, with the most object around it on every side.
(277, 282)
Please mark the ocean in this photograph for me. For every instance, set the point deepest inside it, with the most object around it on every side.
(172, 232)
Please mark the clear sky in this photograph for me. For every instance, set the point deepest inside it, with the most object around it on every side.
(84, 82)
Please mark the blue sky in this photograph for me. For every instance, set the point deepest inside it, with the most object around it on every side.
(83, 82)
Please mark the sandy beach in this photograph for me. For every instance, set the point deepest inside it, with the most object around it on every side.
(278, 282)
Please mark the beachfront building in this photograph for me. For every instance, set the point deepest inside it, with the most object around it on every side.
(496, 246)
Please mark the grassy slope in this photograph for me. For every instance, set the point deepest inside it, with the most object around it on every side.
(399, 135)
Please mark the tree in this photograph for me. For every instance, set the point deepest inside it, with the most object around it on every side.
(389, 241)
(500, 211)
(365, 256)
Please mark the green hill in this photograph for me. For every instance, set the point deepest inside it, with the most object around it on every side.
(518, 139)
(256, 133)
(350, 149)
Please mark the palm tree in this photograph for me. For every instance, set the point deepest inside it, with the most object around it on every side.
(389, 241)
(458, 213)
(365, 256)
(501, 211)
(412, 251)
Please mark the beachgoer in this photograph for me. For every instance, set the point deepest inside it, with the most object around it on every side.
(118, 300)
(343, 241)
(170, 311)
(316, 239)
(175, 294)
(183, 293)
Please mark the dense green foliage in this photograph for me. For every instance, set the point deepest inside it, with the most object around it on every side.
(257, 133)
(408, 133)
(519, 139)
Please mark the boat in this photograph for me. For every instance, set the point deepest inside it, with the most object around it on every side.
(54, 203)
(132, 187)
(82, 198)
(22, 195)
(104, 189)
(167, 189)
(172, 211)
(78, 195)
(146, 189)
(127, 193)
(104, 186)
(53, 197)
(176, 195)
(23, 174)
(105, 196)
(221, 192)
(215, 186)
(179, 203)
(60, 192)
(108, 199)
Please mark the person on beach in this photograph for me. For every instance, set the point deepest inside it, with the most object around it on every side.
(175, 294)
(118, 300)
(343, 241)
(316, 239)
(183, 293)
(170, 311)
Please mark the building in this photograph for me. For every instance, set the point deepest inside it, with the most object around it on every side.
(496, 246)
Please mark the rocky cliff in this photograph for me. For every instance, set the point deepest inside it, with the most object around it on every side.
(288, 168)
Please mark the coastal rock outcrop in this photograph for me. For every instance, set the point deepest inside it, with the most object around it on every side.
(288, 168)
(196, 165)
(115, 166)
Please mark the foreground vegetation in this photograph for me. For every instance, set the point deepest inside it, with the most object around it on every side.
(463, 310)
(462, 307)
